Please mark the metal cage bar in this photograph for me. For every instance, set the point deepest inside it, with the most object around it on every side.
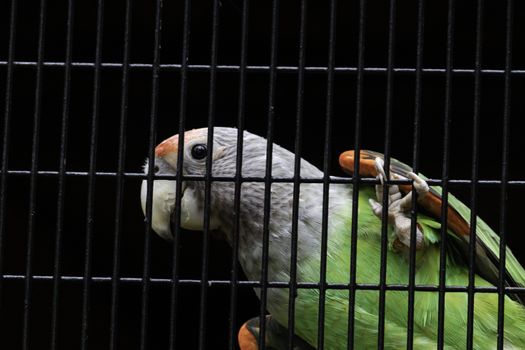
(238, 175)
(385, 200)
(327, 152)
(207, 181)
(33, 178)
(272, 284)
(445, 175)
(268, 172)
(467, 72)
(504, 174)
(86, 292)
(5, 136)
(144, 319)
(62, 177)
(475, 171)
(115, 290)
(356, 180)
(180, 159)
(415, 167)
(297, 173)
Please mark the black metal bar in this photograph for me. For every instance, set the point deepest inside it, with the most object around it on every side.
(33, 178)
(415, 167)
(91, 178)
(292, 292)
(119, 200)
(5, 137)
(238, 174)
(468, 72)
(504, 175)
(384, 214)
(178, 189)
(61, 176)
(326, 171)
(208, 174)
(268, 173)
(356, 178)
(337, 180)
(445, 176)
(474, 177)
(152, 131)
(272, 284)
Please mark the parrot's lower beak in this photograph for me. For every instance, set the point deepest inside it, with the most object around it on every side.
(163, 206)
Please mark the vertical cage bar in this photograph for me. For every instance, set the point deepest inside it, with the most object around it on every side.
(415, 167)
(384, 214)
(238, 174)
(268, 172)
(504, 174)
(5, 136)
(33, 178)
(86, 295)
(356, 177)
(180, 158)
(445, 175)
(474, 176)
(119, 200)
(208, 181)
(292, 292)
(152, 132)
(62, 175)
(326, 170)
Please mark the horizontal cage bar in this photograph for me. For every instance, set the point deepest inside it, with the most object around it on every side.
(264, 68)
(270, 284)
(339, 180)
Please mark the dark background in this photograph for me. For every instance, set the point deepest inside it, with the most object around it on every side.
(15, 218)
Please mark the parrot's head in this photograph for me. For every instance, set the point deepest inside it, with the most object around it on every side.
(194, 155)
(223, 158)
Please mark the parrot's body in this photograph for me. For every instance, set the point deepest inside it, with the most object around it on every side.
(368, 249)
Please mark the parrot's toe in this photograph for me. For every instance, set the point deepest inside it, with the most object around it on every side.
(376, 207)
(420, 185)
(381, 175)
(399, 207)
(402, 228)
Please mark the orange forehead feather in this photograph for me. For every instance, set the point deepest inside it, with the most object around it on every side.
(170, 146)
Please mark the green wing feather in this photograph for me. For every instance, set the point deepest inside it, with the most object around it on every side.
(488, 240)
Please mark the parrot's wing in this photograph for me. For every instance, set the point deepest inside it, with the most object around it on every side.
(458, 221)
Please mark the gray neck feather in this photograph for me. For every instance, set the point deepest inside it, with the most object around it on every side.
(251, 213)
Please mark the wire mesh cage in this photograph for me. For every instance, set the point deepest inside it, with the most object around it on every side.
(90, 88)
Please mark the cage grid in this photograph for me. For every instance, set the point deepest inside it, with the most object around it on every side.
(88, 279)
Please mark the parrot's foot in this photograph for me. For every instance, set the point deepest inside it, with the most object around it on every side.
(276, 336)
(399, 207)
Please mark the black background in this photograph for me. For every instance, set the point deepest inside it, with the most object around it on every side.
(14, 240)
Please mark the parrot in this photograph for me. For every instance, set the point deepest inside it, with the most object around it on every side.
(223, 154)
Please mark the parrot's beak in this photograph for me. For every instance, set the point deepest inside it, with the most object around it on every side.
(163, 206)
(164, 193)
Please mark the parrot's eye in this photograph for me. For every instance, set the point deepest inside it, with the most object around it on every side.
(156, 169)
(199, 151)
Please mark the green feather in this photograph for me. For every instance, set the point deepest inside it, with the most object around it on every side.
(366, 302)
(489, 238)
